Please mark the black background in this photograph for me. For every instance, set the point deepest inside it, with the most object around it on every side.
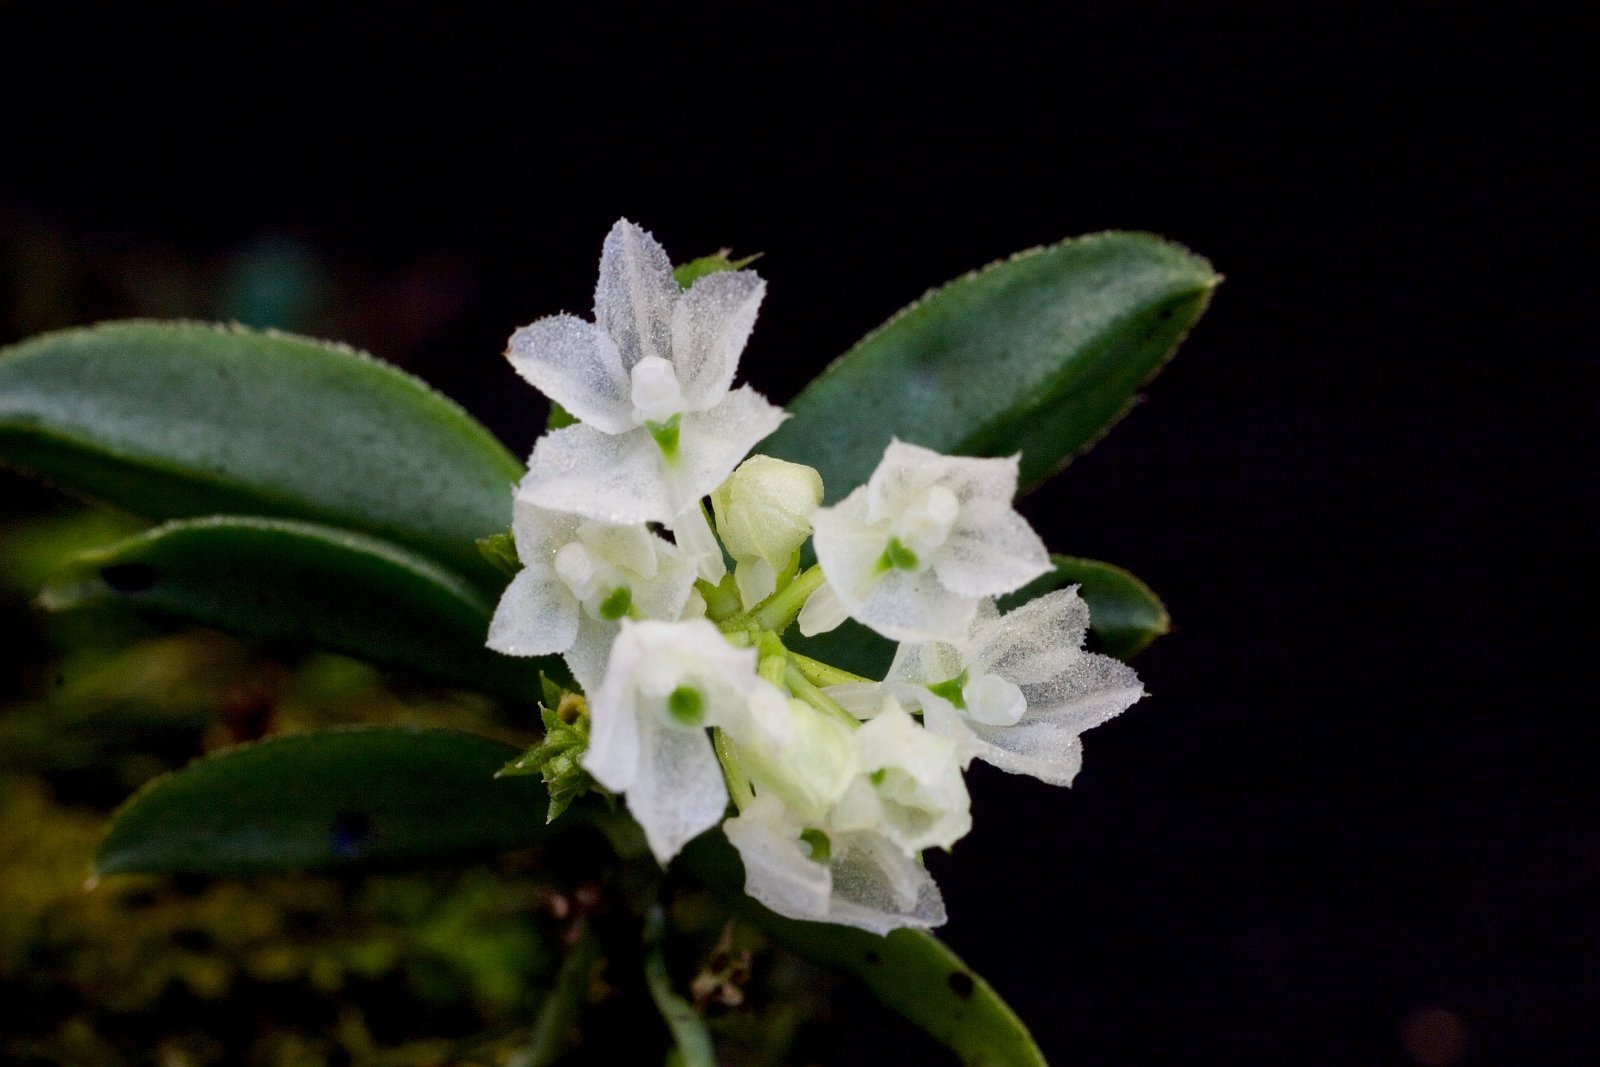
(1363, 784)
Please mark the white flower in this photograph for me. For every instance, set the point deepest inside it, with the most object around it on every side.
(908, 786)
(650, 381)
(666, 682)
(913, 551)
(1019, 689)
(579, 579)
(764, 516)
(857, 879)
(813, 767)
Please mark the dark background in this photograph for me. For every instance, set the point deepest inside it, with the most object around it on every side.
(1355, 821)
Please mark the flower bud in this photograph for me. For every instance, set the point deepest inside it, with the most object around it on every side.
(811, 770)
(763, 516)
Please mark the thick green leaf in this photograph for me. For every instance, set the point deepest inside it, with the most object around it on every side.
(1124, 614)
(910, 971)
(172, 420)
(1040, 353)
(310, 585)
(371, 797)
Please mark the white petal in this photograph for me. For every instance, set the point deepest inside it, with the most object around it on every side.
(536, 615)
(822, 611)
(972, 479)
(635, 294)
(848, 547)
(710, 326)
(711, 443)
(809, 766)
(755, 580)
(1041, 749)
(630, 548)
(665, 595)
(922, 800)
(991, 550)
(614, 729)
(538, 532)
(914, 606)
(864, 700)
(578, 367)
(590, 651)
(924, 663)
(698, 544)
(877, 888)
(778, 870)
(900, 605)
(755, 714)
(1034, 643)
(611, 477)
(903, 475)
(678, 791)
(1092, 689)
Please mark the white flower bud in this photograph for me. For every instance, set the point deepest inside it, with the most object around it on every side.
(764, 516)
(812, 770)
(908, 787)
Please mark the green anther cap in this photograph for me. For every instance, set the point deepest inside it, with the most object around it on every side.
(896, 556)
(687, 706)
(821, 848)
(953, 690)
(617, 604)
(666, 435)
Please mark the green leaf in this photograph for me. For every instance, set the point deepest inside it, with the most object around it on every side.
(1039, 353)
(501, 551)
(686, 274)
(559, 417)
(172, 420)
(306, 584)
(370, 797)
(1124, 614)
(910, 971)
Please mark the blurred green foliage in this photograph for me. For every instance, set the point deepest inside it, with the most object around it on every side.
(435, 968)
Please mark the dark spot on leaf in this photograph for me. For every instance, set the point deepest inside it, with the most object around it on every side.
(139, 899)
(194, 940)
(352, 832)
(190, 885)
(1167, 313)
(961, 984)
(873, 957)
(129, 577)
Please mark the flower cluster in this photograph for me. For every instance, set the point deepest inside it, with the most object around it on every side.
(838, 783)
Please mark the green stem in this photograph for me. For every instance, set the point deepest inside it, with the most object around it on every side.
(802, 688)
(738, 784)
(823, 674)
(777, 611)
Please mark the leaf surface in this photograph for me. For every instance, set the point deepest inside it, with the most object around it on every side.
(310, 585)
(171, 420)
(1040, 353)
(368, 797)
